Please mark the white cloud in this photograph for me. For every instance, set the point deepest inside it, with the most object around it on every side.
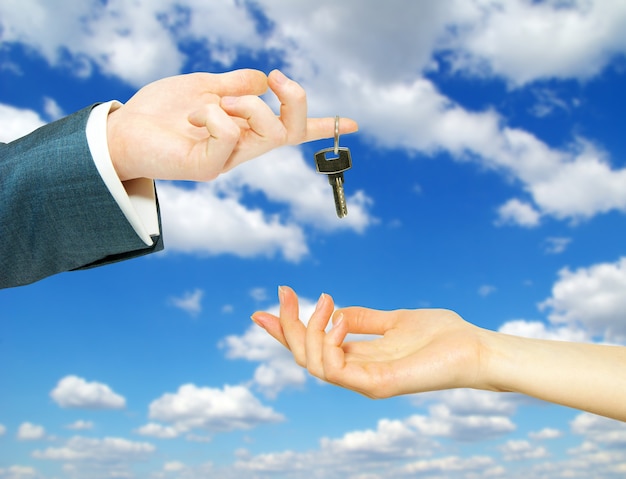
(471, 402)
(518, 212)
(106, 450)
(201, 221)
(391, 438)
(555, 245)
(3, 430)
(486, 290)
(509, 38)
(258, 294)
(75, 392)
(341, 73)
(591, 297)
(174, 466)
(190, 302)
(450, 464)
(522, 450)
(18, 472)
(30, 432)
(600, 430)
(215, 410)
(16, 122)
(52, 109)
(541, 330)
(80, 425)
(444, 422)
(157, 430)
(545, 433)
(277, 370)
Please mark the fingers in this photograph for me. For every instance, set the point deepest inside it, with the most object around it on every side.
(319, 128)
(211, 154)
(267, 130)
(294, 330)
(293, 106)
(293, 113)
(315, 333)
(271, 324)
(235, 83)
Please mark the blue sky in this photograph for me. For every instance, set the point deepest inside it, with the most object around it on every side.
(488, 177)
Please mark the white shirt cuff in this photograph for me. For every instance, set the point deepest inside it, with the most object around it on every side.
(136, 198)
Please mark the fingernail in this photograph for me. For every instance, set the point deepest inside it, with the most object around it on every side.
(281, 294)
(280, 77)
(320, 302)
(257, 321)
(337, 320)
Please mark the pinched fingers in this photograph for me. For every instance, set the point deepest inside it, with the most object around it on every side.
(261, 129)
(293, 113)
(293, 329)
(212, 151)
(315, 334)
(293, 106)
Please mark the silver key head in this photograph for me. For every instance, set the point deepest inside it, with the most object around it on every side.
(329, 162)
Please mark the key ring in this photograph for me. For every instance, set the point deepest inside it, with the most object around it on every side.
(337, 135)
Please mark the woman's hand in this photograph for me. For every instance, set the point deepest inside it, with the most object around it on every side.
(415, 351)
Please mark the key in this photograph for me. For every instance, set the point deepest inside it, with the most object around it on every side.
(334, 168)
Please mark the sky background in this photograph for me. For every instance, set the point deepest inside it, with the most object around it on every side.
(489, 177)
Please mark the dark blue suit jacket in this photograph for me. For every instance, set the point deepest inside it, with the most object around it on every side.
(56, 213)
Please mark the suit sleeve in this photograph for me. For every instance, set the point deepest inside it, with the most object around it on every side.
(56, 213)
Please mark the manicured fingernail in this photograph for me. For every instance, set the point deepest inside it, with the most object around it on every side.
(281, 294)
(337, 320)
(279, 77)
(320, 302)
(258, 321)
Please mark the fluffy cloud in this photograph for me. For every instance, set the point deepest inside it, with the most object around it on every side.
(18, 472)
(30, 432)
(522, 450)
(213, 218)
(3, 430)
(190, 302)
(277, 370)
(107, 450)
(215, 410)
(15, 122)
(158, 430)
(509, 38)
(591, 297)
(518, 212)
(80, 425)
(541, 330)
(546, 433)
(136, 41)
(75, 392)
(483, 466)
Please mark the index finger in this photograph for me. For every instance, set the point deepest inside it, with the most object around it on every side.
(234, 83)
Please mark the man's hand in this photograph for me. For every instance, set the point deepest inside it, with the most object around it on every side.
(196, 126)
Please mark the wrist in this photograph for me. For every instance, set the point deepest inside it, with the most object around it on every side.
(115, 142)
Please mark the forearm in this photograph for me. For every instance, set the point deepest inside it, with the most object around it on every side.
(589, 377)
